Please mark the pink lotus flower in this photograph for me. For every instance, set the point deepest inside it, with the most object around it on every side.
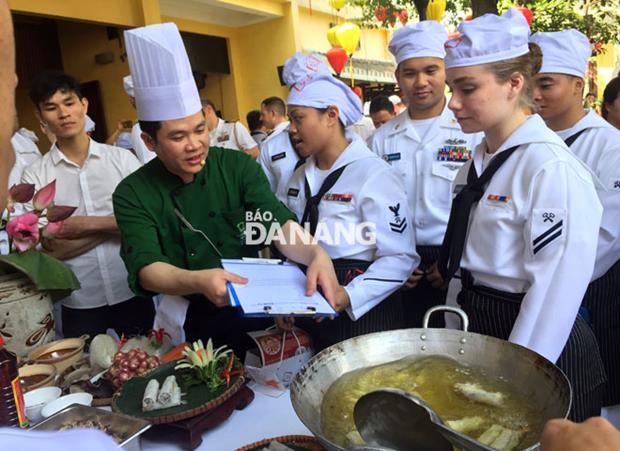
(44, 197)
(59, 212)
(52, 229)
(24, 230)
(21, 193)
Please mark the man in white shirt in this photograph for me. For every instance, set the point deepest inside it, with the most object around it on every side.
(558, 95)
(86, 174)
(427, 146)
(273, 115)
(228, 135)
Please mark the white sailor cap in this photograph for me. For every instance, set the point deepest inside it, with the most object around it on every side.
(163, 84)
(419, 40)
(564, 52)
(488, 39)
(312, 85)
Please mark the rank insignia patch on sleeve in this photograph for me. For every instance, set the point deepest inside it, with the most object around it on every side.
(398, 224)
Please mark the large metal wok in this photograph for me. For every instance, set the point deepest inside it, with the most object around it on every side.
(535, 377)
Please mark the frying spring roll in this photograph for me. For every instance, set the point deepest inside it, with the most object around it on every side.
(149, 400)
(476, 393)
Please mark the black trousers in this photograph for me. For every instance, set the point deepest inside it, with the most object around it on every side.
(493, 312)
(603, 301)
(387, 315)
(131, 317)
(418, 300)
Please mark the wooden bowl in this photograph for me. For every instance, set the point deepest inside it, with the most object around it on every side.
(61, 353)
(37, 376)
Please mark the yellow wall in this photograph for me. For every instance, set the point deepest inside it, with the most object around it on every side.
(257, 53)
(128, 13)
(79, 43)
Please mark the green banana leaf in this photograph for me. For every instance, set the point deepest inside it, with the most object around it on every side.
(46, 272)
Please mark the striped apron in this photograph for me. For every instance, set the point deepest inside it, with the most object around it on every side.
(418, 300)
(494, 312)
(602, 299)
(387, 315)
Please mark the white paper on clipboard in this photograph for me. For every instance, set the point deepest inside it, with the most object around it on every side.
(273, 288)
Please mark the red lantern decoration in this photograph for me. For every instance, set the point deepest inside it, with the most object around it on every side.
(403, 17)
(380, 13)
(527, 13)
(358, 91)
(337, 58)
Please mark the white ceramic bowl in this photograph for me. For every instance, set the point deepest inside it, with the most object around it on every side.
(36, 399)
(50, 409)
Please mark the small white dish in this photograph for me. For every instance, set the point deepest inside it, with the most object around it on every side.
(57, 405)
(36, 399)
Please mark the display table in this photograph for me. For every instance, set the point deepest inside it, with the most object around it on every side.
(265, 417)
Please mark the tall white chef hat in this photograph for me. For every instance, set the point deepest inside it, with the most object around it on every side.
(488, 39)
(163, 84)
(312, 85)
(419, 40)
(564, 52)
(128, 86)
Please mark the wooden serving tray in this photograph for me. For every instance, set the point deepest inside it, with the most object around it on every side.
(197, 400)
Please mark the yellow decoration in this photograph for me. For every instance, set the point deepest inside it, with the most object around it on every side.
(331, 36)
(435, 10)
(348, 36)
(337, 4)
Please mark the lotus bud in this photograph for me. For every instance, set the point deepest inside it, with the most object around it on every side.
(22, 192)
(59, 212)
(45, 196)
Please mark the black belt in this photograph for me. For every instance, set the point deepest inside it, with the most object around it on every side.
(467, 280)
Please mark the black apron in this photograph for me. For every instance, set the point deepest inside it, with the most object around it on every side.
(418, 300)
(494, 312)
(602, 300)
(387, 315)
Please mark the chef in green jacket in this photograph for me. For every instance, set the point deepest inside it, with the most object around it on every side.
(185, 210)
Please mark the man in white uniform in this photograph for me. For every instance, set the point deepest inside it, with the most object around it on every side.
(558, 95)
(228, 135)
(86, 173)
(427, 147)
(273, 115)
(138, 146)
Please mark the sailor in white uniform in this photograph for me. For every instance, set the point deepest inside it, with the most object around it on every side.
(558, 95)
(228, 135)
(427, 147)
(526, 215)
(353, 203)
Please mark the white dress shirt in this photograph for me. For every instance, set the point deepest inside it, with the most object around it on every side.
(101, 271)
(599, 148)
(231, 135)
(368, 191)
(428, 172)
(535, 231)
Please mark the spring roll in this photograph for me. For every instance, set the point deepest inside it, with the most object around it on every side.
(149, 400)
(477, 394)
(167, 389)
